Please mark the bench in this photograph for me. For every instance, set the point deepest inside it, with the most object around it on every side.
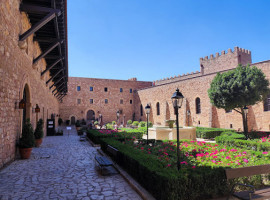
(104, 162)
(248, 171)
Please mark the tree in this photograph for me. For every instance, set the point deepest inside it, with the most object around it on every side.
(242, 86)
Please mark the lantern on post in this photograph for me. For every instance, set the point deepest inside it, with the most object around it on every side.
(177, 100)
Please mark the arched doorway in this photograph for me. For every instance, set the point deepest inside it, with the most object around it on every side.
(72, 120)
(90, 115)
(26, 98)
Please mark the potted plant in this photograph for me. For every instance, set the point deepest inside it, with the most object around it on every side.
(27, 141)
(39, 132)
(170, 123)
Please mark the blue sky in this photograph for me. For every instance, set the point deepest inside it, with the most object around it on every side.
(154, 39)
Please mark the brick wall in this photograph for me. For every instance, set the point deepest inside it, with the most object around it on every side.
(17, 71)
(70, 106)
(196, 87)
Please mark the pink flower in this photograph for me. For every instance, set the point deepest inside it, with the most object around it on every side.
(245, 160)
(265, 152)
(214, 156)
(213, 161)
(228, 157)
(184, 162)
(168, 165)
(193, 167)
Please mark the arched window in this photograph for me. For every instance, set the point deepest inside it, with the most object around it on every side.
(266, 106)
(198, 105)
(158, 109)
(141, 110)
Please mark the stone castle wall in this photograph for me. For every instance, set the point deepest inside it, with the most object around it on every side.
(193, 87)
(16, 72)
(70, 106)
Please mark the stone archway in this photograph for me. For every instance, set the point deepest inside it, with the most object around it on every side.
(72, 120)
(90, 115)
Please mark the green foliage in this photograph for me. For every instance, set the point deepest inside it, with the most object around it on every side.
(167, 183)
(39, 130)
(96, 123)
(129, 122)
(28, 139)
(109, 126)
(78, 124)
(209, 133)
(238, 140)
(142, 124)
(239, 87)
(60, 121)
(113, 122)
(150, 124)
(135, 123)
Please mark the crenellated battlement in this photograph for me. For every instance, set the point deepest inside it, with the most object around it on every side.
(214, 63)
(229, 51)
(225, 60)
(176, 78)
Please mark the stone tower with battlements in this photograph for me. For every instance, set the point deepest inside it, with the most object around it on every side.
(225, 61)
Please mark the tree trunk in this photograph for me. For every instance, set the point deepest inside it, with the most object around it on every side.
(245, 124)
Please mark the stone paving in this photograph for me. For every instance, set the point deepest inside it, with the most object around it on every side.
(62, 168)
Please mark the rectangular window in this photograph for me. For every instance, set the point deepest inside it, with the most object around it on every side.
(91, 89)
(266, 106)
(228, 111)
(130, 90)
(121, 89)
(91, 101)
(121, 101)
(130, 101)
(105, 89)
(78, 101)
(106, 101)
(78, 88)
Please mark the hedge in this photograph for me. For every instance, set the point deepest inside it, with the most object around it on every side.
(95, 135)
(168, 183)
(238, 140)
(209, 133)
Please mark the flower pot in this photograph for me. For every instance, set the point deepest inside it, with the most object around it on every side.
(25, 152)
(38, 142)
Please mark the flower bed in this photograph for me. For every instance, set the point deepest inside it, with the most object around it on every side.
(237, 140)
(202, 167)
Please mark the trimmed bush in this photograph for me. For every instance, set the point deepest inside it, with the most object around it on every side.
(238, 140)
(168, 183)
(142, 124)
(209, 133)
(135, 123)
(28, 139)
(129, 122)
(39, 130)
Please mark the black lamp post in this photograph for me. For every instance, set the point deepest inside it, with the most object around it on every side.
(147, 109)
(245, 113)
(177, 100)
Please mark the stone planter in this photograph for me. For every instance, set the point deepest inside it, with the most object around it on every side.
(38, 142)
(25, 152)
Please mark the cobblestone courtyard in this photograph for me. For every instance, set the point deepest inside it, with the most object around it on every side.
(62, 168)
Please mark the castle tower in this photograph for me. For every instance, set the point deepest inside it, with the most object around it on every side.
(225, 61)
